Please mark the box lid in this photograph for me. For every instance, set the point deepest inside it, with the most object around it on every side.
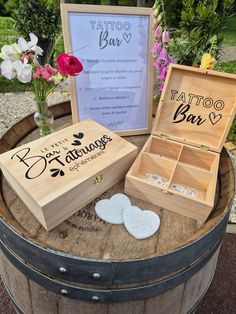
(50, 166)
(196, 107)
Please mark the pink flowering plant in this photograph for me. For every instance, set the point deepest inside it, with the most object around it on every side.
(162, 38)
(20, 61)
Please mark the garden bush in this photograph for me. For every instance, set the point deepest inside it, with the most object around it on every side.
(201, 23)
(42, 18)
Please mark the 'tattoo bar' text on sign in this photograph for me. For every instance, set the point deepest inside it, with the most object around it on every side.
(115, 88)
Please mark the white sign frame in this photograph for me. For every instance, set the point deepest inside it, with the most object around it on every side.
(147, 77)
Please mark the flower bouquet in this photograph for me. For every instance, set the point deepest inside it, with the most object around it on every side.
(20, 61)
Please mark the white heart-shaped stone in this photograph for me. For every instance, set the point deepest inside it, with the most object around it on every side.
(141, 224)
(111, 210)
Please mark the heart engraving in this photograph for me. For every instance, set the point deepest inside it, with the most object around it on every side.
(214, 118)
(78, 137)
(127, 37)
(56, 172)
(111, 210)
(141, 224)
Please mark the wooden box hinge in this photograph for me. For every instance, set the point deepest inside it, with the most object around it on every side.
(164, 137)
(204, 148)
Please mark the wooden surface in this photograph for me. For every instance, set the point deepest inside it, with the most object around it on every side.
(64, 172)
(178, 164)
(85, 235)
(211, 98)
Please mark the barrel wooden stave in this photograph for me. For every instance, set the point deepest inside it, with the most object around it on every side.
(32, 298)
(114, 243)
(120, 267)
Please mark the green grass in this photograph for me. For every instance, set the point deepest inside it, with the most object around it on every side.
(228, 67)
(229, 32)
(13, 86)
(7, 33)
(9, 36)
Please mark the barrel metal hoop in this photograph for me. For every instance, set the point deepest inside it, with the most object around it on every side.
(114, 295)
(81, 270)
(112, 272)
(191, 311)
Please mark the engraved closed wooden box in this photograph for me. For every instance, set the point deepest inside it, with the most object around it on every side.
(58, 174)
(193, 118)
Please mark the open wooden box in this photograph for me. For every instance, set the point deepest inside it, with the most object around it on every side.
(193, 118)
(58, 174)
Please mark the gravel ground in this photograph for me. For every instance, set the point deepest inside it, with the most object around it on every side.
(228, 54)
(15, 106)
(232, 217)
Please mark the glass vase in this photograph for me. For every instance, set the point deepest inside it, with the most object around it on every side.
(43, 118)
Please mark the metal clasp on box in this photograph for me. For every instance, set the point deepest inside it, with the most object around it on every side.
(97, 179)
(204, 148)
(166, 192)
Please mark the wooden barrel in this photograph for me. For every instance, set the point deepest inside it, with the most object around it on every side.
(88, 266)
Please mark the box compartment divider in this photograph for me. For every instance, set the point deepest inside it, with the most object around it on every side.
(164, 148)
(150, 163)
(198, 159)
(190, 177)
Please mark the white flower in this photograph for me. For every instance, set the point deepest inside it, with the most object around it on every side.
(31, 45)
(23, 45)
(24, 71)
(8, 69)
(10, 52)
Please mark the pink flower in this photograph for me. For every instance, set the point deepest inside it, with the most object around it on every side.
(69, 65)
(163, 72)
(50, 69)
(23, 58)
(157, 64)
(158, 32)
(37, 74)
(171, 60)
(28, 57)
(163, 57)
(165, 37)
(42, 72)
(45, 74)
(156, 49)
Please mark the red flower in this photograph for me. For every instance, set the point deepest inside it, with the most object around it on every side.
(69, 65)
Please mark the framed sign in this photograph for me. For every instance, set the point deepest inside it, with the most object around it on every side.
(114, 46)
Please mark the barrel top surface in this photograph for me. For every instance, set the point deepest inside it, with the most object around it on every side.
(85, 235)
